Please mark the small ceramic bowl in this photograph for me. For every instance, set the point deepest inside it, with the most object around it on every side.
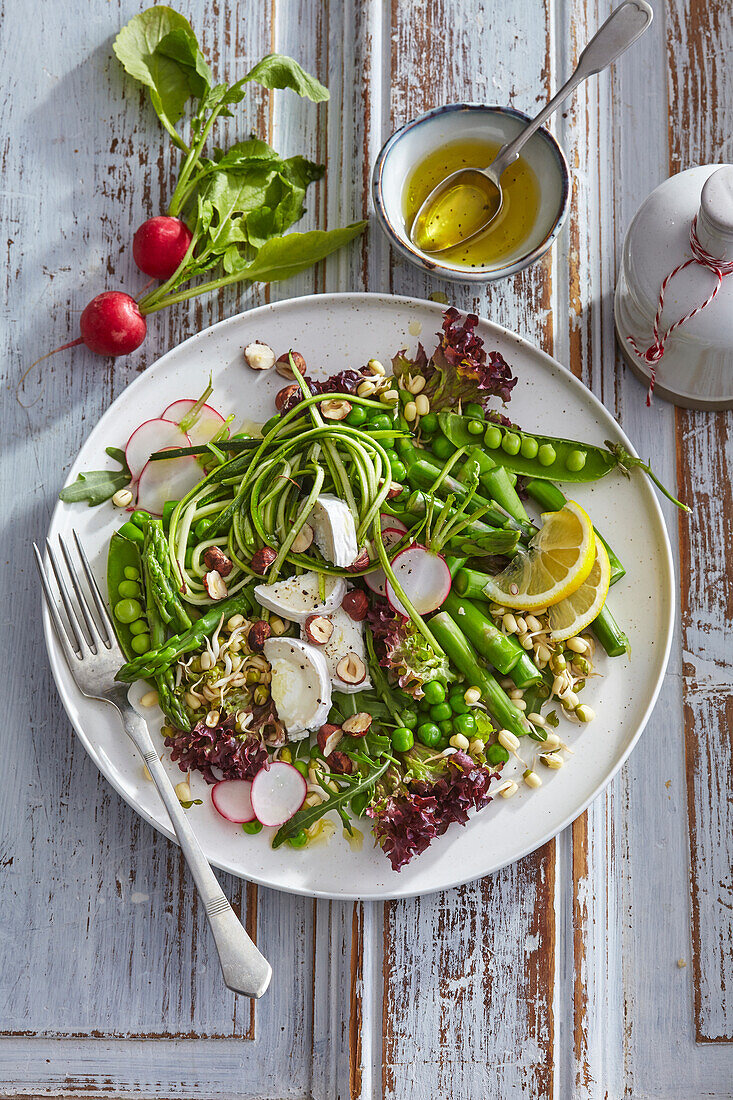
(454, 122)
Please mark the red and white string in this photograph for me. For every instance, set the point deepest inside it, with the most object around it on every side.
(719, 268)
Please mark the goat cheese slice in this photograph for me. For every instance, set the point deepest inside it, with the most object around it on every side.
(298, 597)
(300, 686)
(347, 637)
(334, 530)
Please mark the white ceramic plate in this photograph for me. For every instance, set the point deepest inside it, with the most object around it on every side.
(334, 331)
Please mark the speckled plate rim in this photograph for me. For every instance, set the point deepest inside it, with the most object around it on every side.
(664, 573)
(454, 271)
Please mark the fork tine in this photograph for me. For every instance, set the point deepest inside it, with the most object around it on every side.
(71, 613)
(96, 595)
(69, 645)
(89, 619)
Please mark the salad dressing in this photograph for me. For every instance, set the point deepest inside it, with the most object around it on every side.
(509, 229)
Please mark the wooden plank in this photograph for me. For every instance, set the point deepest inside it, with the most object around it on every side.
(699, 44)
(469, 974)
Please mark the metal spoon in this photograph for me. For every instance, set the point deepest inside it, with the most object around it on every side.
(436, 226)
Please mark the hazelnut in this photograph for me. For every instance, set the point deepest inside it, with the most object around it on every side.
(257, 635)
(259, 356)
(318, 629)
(303, 539)
(394, 490)
(336, 410)
(214, 558)
(357, 725)
(262, 559)
(351, 669)
(340, 763)
(356, 605)
(282, 366)
(215, 585)
(328, 738)
(284, 394)
(361, 561)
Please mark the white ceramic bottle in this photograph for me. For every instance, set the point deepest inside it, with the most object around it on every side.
(696, 366)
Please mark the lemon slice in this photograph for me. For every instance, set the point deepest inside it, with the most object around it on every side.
(559, 558)
(577, 611)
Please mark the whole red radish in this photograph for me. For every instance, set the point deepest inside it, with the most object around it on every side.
(159, 246)
(112, 324)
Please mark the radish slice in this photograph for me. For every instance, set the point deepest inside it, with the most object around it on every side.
(391, 523)
(208, 424)
(231, 798)
(391, 536)
(425, 578)
(151, 436)
(278, 792)
(166, 479)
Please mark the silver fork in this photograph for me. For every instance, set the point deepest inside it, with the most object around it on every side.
(94, 656)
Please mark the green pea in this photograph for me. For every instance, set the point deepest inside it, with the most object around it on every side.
(457, 703)
(474, 409)
(465, 724)
(203, 527)
(442, 448)
(140, 519)
(429, 424)
(446, 727)
(140, 626)
(126, 611)
(575, 461)
(398, 470)
(357, 416)
(128, 589)
(409, 718)
(429, 734)
(529, 447)
(402, 739)
(434, 691)
(423, 705)
(299, 840)
(511, 443)
(140, 643)
(131, 574)
(474, 427)
(546, 454)
(392, 456)
(302, 767)
(252, 827)
(381, 422)
(440, 712)
(496, 754)
(493, 437)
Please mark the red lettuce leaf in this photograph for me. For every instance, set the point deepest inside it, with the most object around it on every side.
(236, 755)
(460, 368)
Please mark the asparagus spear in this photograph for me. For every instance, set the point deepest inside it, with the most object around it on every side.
(503, 651)
(498, 704)
(149, 664)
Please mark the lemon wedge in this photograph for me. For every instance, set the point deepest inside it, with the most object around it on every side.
(577, 611)
(559, 558)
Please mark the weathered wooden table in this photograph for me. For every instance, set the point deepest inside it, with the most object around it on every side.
(599, 966)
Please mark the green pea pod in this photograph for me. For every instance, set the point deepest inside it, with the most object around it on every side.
(560, 460)
(123, 553)
(545, 456)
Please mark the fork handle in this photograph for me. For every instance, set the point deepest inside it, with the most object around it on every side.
(244, 968)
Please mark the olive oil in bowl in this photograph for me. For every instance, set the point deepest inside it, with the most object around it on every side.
(509, 230)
